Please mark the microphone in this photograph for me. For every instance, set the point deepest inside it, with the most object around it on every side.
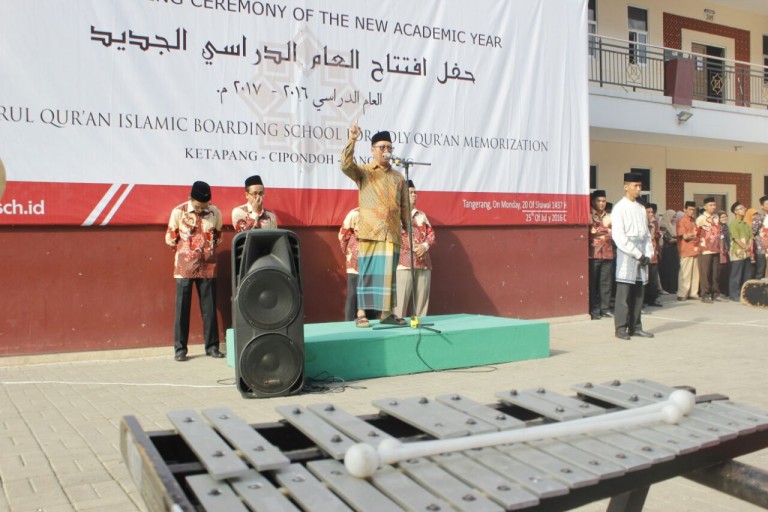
(395, 160)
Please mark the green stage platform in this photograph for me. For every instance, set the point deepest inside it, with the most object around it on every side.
(341, 350)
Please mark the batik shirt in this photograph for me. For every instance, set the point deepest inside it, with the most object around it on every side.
(194, 237)
(348, 240)
(600, 241)
(742, 233)
(382, 198)
(760, 232)
(709, 233)
(423, 234)
(653, 227)
(687, 248)
(244, 217)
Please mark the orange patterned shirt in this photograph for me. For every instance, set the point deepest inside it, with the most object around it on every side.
(687, 248)
(382, 198)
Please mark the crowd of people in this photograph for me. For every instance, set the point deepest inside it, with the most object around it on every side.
(697, 253)
(635, 253)
(386, 274)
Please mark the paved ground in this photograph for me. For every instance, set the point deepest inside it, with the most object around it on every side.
(60, 415)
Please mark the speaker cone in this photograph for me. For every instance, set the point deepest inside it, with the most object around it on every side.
(271, 364)
(269, 299)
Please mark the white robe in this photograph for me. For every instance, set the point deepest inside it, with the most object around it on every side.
(633, 240)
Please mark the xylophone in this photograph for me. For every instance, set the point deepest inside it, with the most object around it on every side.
(533, 448)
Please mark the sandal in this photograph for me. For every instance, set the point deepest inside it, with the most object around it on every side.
(393, 320)
(362, 321)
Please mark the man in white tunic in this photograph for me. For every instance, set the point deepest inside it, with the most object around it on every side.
(634, 251)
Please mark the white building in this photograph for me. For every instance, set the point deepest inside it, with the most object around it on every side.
(679, 91)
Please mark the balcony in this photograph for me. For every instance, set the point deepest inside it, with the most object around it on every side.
(642, 67)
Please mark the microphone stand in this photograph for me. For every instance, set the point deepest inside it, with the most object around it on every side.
(414, 322)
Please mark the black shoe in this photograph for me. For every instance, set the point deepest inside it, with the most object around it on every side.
(214, 352)
(642, 334)
(181, 357)
(606, 314)
(655, 304)
(622, 334)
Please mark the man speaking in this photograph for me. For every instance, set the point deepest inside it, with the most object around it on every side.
(383, 206)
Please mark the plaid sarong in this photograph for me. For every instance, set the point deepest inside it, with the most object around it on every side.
(376, 262)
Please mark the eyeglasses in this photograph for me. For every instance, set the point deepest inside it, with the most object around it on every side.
(384, 148)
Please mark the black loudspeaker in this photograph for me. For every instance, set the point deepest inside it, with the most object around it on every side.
(755, 292)
(267, 313)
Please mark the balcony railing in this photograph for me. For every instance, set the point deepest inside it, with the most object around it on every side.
(626, 64)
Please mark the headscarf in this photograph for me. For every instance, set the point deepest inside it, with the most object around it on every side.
(724, 226)
(748, 216)
(667, 223)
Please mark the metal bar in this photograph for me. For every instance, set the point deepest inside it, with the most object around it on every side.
(256, 450)
(214, 496)
(218, 458)
(736, 479)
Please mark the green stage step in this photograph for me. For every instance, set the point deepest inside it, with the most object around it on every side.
(341, 350)
(344, 351)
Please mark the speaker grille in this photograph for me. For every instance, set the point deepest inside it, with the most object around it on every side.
(271, 364)
(269, 299)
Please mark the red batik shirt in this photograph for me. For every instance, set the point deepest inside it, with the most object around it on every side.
(709, 233)
(653, 227)
(687, 248)
(348, 240)
(423, 234)
(194, 238)
(600, 240)
(244, 217)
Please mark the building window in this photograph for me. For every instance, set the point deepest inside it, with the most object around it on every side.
(645, 177)
(637, 19)
(592, 177)
(592, 27)
(765, 58)
(765, 185)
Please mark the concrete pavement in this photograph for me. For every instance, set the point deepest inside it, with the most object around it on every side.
(60, 414)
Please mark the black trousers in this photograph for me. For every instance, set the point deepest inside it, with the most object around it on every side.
(652, 288)
(759, 266)
(709, 275)
(629, 306)
(600, 284)
(206, 293)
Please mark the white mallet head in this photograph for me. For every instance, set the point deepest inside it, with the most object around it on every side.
(361, 460)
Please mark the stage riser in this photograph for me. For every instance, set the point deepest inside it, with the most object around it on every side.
(341, 350)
